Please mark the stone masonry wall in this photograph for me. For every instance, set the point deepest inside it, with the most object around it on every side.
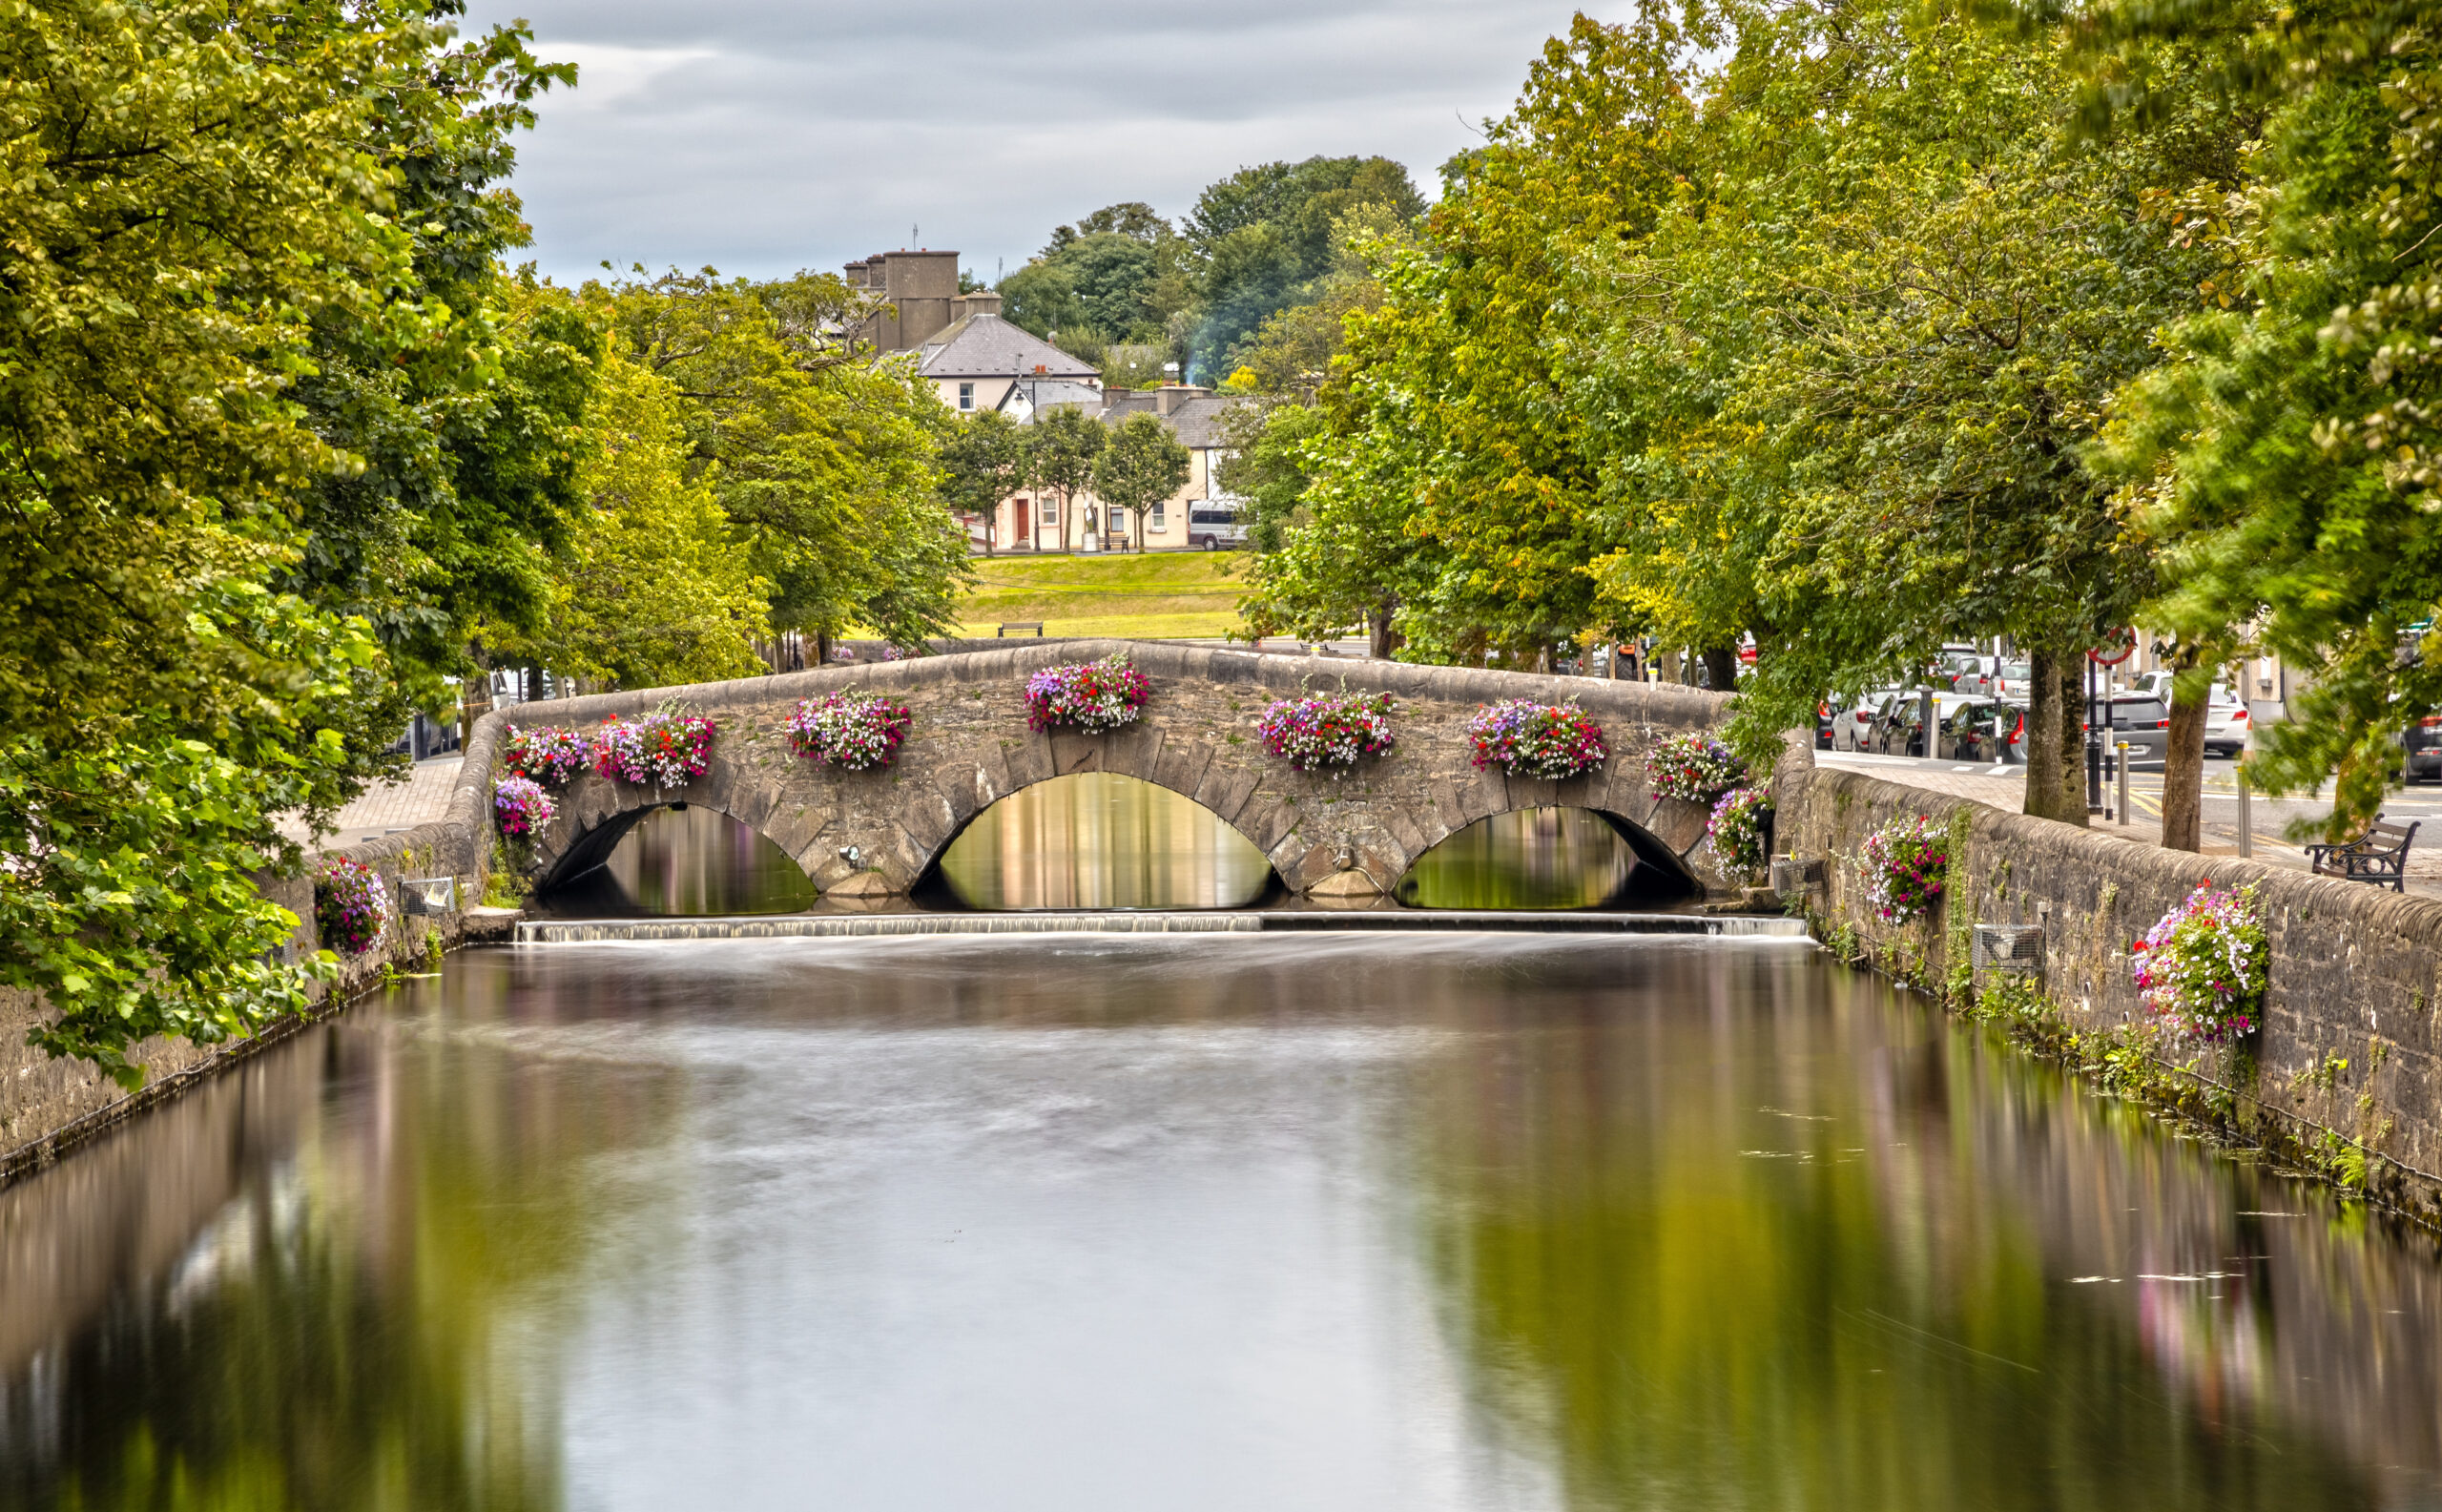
(2357, 971)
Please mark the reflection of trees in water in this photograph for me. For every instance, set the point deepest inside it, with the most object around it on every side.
(1708, 1243)
(1099, 840)
(346, 1331)
(689, 862)
(1546, 857)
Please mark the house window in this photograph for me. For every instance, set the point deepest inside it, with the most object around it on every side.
(1051, 512)
(1160, 519)
(966, 396)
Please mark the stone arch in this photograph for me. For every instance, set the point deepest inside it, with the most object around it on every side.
(930, 880)
(1674, 876)
(590, 850)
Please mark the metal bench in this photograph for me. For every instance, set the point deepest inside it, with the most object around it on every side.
(1034, 625)
(2379, 855)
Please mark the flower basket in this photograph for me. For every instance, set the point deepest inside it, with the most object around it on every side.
(1904, 864)
(659, 750)
(1693, 768)
(351, 907)
(1741, 829)
(1329, 729)
(852, 729)
(1536, 740)
(521, 808)
(546, 753)
(1094, 696)
(2201, 970)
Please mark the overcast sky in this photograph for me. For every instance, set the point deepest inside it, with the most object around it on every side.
(763, 136)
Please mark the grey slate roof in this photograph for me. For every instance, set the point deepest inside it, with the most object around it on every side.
(984, 345)
(1195, 422)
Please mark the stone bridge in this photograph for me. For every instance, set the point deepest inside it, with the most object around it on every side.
(879, 832)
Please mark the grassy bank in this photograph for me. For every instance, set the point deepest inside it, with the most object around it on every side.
(1146, 595)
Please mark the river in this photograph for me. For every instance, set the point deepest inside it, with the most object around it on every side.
(1076, 1222)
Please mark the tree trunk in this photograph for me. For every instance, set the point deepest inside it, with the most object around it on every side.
(1666, 666)
(2184, 760)
(821, 648)
(1386, 641)
(2055, 777)
(1721, 670)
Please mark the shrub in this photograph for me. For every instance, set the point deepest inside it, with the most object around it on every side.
(521, 808)
(1904, 864)
(351, 907)
(851, 730)
(1536, 740)
(1694, 768)
(1738, 829)
(2201, 970)
(659, 750)
(550, 753)
(1328, 729)
(1094, 696)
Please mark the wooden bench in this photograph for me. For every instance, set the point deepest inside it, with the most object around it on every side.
(2379, 855)
(1034, 625)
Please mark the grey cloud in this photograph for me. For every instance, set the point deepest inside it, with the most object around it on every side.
(761, 137)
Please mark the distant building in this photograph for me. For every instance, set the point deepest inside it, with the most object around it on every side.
(1201, 516)
(979, 360)
(976, 361)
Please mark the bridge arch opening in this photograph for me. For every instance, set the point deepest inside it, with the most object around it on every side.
(1096, 841)
(678, 859)
(1550, 857)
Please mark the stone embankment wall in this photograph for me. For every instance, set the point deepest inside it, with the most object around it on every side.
(2353, 1017)
(48, 1106)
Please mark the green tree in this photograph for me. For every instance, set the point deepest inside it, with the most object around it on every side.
(981, 459)
(819, 450)
(1061, 449)
(650, 587)
(2284, 453)
(1261, 238)
(186, 222)
(1144, 465)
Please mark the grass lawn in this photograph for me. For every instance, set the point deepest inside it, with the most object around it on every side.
(1139, 595)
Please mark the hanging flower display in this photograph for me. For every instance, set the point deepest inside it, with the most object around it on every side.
(851, 730)
(1328, 729)
(521, 808)
(549, 754)
(1904, 864)
(1694, 768)
(1094, 696)
(1536, 740)
(1739, 827)
(351, 907)
(657, 750)
(2201, 970)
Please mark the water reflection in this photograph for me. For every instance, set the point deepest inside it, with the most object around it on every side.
(1337, 1222)
(1547, 857)
(1097, 840)
(683, 861)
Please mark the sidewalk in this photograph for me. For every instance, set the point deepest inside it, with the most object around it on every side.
(2220, 822)
(389, 808)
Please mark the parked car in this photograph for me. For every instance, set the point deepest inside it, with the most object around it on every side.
(1827, 714)
(2228, 725)
(1214, 527)
(1997, 677)
(1901, 728)
(2141, 720)
(1852, 728)
(2424, 742)
(1985, 730)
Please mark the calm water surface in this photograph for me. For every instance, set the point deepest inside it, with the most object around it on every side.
(688, 860)
(1320, 1222)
